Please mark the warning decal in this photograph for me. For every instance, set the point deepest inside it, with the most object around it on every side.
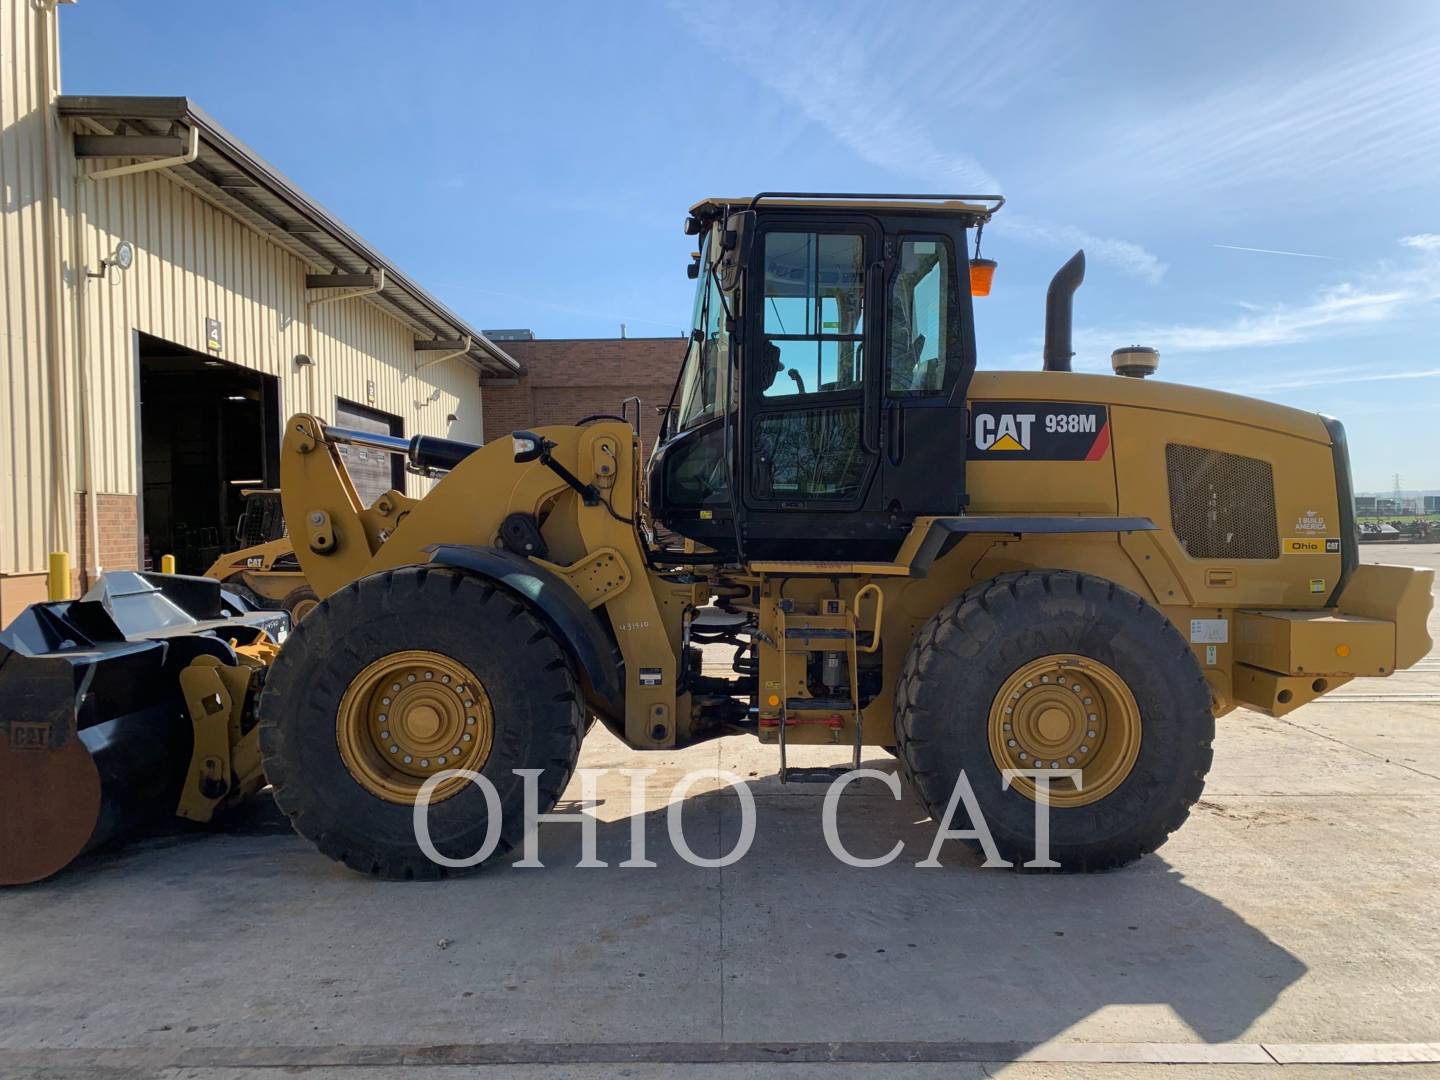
(1038, 431)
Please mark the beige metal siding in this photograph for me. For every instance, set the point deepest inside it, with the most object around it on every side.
(193, 262)
(27, 272)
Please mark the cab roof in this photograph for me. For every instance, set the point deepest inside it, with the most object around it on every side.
(980, 208)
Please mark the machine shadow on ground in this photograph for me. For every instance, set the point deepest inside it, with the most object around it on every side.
(790, 943)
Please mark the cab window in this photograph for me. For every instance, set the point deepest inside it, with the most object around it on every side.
(814, 314)
(701, 376)
(922, 346)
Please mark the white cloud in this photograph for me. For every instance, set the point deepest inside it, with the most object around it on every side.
(1376, 118)
(819, 67)
(1422, 241)
(1323, 378)
(842, 72)
(1384, 293)
(1130, 258)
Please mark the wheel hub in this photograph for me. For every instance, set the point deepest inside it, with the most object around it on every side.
(410, 715)
(1066, 712)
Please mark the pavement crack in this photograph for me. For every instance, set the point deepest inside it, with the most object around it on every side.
(1358, 749)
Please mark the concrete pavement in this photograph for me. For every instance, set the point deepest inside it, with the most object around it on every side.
(1291, 919)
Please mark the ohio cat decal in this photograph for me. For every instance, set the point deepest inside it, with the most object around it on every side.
(1037, 431)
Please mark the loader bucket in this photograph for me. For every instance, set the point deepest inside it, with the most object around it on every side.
(95, 733)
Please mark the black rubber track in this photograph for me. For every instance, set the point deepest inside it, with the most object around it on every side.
(963, 654)
(538, 715)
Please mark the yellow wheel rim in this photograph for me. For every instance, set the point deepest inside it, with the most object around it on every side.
(410, 715)
(1066, 712)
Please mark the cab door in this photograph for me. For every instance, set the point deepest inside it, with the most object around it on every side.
(810, 352)
(929, 358)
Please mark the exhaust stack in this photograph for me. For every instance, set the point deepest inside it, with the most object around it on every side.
(1059, 304)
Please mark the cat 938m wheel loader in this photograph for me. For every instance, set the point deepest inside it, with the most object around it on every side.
(1038, 572)
(1047, 582)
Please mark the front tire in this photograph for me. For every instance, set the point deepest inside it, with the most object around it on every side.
(401, 675)
(1057, 670)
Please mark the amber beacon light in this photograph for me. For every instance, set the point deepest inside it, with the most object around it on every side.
(982, 274)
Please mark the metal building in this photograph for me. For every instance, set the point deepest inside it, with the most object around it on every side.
(167, 299)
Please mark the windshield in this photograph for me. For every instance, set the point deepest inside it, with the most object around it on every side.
(699, 388)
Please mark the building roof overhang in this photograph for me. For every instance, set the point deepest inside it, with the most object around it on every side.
(227, 173)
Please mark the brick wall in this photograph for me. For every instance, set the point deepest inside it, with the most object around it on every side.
(573, 377)
(118, 517)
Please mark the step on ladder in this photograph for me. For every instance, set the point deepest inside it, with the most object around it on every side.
(834, 629)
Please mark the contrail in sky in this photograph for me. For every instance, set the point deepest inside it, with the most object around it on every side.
(1270, 251)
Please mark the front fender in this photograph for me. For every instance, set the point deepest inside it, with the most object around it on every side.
(585, 637)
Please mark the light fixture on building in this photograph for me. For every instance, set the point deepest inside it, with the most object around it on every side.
(122, 258)
(301, 360)
(451, 418)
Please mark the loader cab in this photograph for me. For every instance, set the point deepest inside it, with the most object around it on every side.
(821, 404)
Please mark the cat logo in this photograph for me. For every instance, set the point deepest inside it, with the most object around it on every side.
(1005, 431)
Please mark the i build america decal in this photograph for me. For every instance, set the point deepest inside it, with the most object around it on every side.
(1038, 431)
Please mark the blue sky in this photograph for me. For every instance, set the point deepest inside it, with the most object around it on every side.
(531, 164)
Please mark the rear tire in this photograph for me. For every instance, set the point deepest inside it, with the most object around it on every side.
(948, 700)
(466, 623)
(300, 602)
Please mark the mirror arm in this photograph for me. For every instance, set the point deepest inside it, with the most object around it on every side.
(589, 492)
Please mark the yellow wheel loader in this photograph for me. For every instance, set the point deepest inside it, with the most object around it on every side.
(264, 571)
(1042, 581)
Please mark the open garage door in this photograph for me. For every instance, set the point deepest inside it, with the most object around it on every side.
(208, 430)
(373, 472)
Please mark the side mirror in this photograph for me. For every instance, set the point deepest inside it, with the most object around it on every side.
(739, 238)
(528, 446)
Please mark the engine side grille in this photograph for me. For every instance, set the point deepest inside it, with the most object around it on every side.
(1222, 505)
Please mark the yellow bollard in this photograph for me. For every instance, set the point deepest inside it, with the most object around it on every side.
(58, 582)
(167, 564)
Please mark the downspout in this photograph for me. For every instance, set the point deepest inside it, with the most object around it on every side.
(58, 526)
(92, 568)
(192, 151)
(447, 356)
(310, 306)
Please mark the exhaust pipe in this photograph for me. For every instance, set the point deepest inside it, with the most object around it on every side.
(1059, 305)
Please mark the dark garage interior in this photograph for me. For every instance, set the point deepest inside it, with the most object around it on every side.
(208, 430)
